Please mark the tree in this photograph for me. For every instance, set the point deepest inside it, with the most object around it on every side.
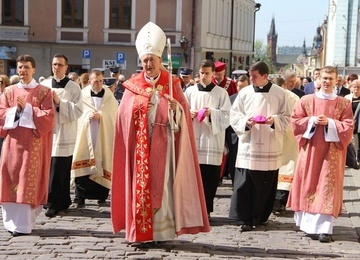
(261, 55)
(259, 51)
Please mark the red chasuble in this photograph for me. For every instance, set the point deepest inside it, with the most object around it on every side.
(139, 164)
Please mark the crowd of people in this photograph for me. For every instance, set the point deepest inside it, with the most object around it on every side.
(160, 145)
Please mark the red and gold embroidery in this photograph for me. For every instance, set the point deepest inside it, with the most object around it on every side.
(107, 175)
(285, 178)
(83, 164)
(34, 166)
(143, 207)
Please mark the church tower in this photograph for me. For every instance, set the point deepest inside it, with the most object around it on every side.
(272, 43)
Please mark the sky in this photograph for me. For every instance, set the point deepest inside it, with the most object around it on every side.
(295, 20)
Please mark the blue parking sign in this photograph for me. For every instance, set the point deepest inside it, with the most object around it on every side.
(120, 57)
(86, 54)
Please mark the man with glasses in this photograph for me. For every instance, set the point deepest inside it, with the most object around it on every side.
(67, 100)
(26, 122)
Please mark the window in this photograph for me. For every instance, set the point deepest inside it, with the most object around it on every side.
(120, 14)
(73, 13)
(13, 12)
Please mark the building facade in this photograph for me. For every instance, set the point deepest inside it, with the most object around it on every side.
(342, 36)
(102, 33)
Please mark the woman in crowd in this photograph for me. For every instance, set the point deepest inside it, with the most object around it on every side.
(83, 80)
(4, 82)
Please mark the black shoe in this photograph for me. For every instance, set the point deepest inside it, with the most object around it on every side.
(17, 234)
(245, 228)
(51, 213)
(324, 238)
(279, 210)
(79, 201)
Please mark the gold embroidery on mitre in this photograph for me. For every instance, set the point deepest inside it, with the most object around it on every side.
(147, 47)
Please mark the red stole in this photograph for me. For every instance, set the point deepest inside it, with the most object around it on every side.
(150, 163)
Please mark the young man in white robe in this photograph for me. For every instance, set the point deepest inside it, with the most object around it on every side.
(209, 108)
(259, 116)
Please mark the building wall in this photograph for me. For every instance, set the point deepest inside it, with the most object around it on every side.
(216, 35)
(205, 23)
(42, 21)
(353, 15)
(96, 23)
(342, 33)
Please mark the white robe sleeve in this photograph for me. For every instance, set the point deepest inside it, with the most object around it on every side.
(238, 118)
(71, 109)
(26, 118)
(220, 117)
(282, 118)
(10, 122)
(331, 134)
(310, 130)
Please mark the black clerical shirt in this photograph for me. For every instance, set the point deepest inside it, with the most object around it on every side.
(61, 83)
(99, 94)
(266, 88)
(208, 88)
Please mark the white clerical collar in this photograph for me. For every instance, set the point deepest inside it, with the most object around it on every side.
(261, 87)
(32, 84)
(97, 92)
(152, 80)
(322, 95)
(58, 80)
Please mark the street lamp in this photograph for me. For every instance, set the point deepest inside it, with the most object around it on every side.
(184, 44)
(257, 8)
(324, 28)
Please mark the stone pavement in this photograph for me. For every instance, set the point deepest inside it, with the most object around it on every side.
(86, 234)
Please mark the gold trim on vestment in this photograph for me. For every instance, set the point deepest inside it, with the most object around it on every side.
(83, 164)
(34, 168)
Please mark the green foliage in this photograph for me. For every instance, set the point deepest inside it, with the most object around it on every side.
(260, 54)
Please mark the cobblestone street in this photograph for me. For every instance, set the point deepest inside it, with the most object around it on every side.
(86, 233)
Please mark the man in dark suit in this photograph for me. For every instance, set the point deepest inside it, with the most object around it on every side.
(310, 87)
(339, 89)
(290, 81)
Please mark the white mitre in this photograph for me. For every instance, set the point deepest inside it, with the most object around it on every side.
(151, 39)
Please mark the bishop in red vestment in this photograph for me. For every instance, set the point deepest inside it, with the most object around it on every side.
(150, 200)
